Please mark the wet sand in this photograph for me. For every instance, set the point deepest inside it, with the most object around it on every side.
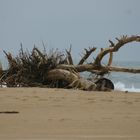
(59, 114)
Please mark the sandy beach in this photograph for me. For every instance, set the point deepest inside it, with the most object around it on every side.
(60, 114)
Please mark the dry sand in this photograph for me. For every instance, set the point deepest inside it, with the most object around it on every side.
(59, 114)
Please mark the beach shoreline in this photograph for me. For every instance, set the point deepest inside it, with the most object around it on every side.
(44, 113)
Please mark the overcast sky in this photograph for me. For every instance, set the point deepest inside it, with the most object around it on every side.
(59, 23)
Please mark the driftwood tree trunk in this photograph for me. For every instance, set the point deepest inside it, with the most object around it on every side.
(71, 77)
(39, 69)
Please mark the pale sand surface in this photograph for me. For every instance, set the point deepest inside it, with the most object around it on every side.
(58, 114)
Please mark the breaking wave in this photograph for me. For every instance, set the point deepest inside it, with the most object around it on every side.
(119, 86)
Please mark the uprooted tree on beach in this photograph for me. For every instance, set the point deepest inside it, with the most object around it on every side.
(56, 69)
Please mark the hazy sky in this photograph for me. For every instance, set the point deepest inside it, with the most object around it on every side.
(59, 23)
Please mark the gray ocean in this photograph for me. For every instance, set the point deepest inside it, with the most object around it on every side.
(126, 81)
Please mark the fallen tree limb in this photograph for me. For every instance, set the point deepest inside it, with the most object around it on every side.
(96, 69)
(56, 69)
(122, 69)
(61, 74)
(72, 78)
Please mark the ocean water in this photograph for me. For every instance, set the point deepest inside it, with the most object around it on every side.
(126, 81)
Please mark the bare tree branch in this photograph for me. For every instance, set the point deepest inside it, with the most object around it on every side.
(122, 69)
(88, 53)
(115, 47)
(110, 59)
(69, 57)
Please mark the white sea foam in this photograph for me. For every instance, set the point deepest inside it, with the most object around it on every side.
(4, 85)
(121, 87)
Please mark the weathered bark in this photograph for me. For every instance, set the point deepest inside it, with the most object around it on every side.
(61, 74)
(78, 68)
(74, 80)
(121, 69)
